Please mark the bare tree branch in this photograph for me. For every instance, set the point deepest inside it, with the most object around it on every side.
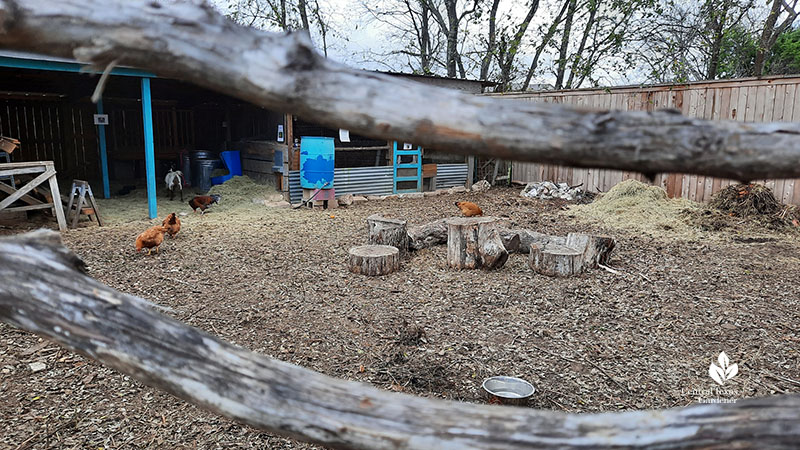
(284, 72)
(45, 292)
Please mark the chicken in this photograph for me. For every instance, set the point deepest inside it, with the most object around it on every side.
(469, 209)
(150, 238)
(172, 224)
(203, 202)
(174, 180)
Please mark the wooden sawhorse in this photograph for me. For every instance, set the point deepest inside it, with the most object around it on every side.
(82, 206)
(47, 172)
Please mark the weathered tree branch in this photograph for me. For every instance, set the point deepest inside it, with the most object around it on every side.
(283, 72)
(43, 291)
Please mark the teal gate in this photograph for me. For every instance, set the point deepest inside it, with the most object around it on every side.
(407, 170)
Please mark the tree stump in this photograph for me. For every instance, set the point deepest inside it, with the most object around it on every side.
(385, 231)
(374, 260)
(555, 260)
(595, 249)
(474, 242)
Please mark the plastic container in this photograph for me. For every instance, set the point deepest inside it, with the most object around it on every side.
(316, 162)
(201, 171)
(186, 168)
(232, 161)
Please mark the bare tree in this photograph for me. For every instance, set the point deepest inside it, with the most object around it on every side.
(450, 27)
(772, 29)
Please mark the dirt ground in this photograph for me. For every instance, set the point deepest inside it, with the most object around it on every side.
(274, 281)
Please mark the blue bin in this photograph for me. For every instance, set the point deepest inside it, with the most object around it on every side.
(316, 162)
(233, 163)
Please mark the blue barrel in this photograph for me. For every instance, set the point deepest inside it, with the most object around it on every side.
(316, 162)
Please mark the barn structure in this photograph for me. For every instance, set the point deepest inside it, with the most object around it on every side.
(148, 123)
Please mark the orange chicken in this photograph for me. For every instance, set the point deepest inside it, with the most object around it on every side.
(150, 238)
(469, 209)
(203, 202)
(172, 224)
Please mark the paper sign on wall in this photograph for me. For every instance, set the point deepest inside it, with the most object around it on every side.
(101, 119)
(344, 135)
(407, 146)
(280, 133)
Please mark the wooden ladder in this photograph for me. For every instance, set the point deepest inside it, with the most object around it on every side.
(82, 188)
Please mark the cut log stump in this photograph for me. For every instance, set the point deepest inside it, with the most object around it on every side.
(385, 231)
(427, 235)
(474, 243)
(595, 249)
(555, 260)
(374, 260)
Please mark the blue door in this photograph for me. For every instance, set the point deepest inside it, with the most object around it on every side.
(407, 170)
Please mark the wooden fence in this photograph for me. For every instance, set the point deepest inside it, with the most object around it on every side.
(744, 100)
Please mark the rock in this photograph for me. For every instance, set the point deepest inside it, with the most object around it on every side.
(333, 203)
(183, 214)
(413, 195)
(359, 199)
(37, 366)
(546, 190)
(481, 186)
(375, 197)
(345, 200)
(430, 193)
(275, 198)
(279, 204)
(457, 189)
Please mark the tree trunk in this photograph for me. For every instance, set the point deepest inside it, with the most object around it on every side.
(427, 235)
(474, 243)
(490, 44)
(374, 260)
(561, 63)
(555, 260)
(385, 231)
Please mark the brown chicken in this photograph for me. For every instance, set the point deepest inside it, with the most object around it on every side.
(469, 209)
(172, 224)
(203, 201)
(150, 238)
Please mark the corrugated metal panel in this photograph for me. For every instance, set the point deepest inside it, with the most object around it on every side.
(450, 175)
(377, 180)
(356, 181)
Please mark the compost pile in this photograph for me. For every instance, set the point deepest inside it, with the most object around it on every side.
(633, 205)
(755, 202)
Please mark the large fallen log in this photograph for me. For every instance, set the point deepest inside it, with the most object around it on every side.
(192, 42)
(45, 291)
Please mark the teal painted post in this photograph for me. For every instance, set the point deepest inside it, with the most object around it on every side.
(101, 133)
(149, 149)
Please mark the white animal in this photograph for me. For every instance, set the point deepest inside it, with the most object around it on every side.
(174, 180)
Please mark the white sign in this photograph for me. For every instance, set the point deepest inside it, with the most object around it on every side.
(344, 135)
(280, 133)
(101, 119)
(407, 146)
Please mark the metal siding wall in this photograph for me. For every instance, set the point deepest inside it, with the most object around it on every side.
(750, 100)
(451, 175)
(356, 181)
(376, 180)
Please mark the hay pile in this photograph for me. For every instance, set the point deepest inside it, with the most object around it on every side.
(633, 205)
(240, 191)
(755, 202)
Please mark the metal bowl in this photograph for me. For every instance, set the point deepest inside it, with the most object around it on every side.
(508, 390)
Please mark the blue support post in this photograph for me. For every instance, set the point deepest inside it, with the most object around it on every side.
(149, 149)
(101, 134)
